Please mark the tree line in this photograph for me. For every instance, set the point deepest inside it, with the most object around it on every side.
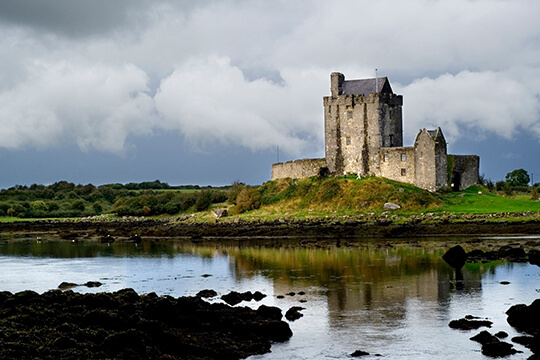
(65, 199)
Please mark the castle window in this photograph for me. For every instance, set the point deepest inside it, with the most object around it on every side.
(403, 172)
(403, 158)
(348, 141)
(385, 157)
(349, 115)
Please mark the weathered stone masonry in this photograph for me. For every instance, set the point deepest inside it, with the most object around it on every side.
(364, 136)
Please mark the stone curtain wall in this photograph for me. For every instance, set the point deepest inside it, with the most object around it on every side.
(297, 169)
(398, 163)
(467, 166)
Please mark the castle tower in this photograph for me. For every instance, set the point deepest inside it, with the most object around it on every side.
(360, 118)
(430, 160)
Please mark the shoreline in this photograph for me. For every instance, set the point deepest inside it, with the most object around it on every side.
(329, 227)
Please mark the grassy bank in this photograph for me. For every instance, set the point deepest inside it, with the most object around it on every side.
(349, 196)
(308, 198)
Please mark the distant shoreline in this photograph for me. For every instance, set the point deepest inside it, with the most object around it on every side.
(330, 227)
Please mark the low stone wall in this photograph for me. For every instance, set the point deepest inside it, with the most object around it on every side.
(297, 169)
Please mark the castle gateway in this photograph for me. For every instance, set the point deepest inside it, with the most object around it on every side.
(363, 131)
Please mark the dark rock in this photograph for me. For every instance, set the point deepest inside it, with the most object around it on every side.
(258, 296)
(232, 298)
(501, 334)
(125, 325)
(525, 318)
(294, 313)
(534, 257)
(270, 312)
(359, 353)
(475, 255)
(92, 284)
(515, 254)
(465, 324)
(485, 337)
(527, 341)
(498, 349)
(67, 285)
(455, 257)
(505, 283)
(492, 346)
(235, 297)
(207, 293)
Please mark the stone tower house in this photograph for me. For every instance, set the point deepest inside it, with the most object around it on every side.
(364, 135)
(360, 118)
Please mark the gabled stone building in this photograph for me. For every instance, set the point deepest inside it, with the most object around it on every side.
(364, 135)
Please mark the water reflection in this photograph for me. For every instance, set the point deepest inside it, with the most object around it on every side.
(395, 300)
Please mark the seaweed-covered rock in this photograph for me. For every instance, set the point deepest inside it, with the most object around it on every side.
(526, 318)
(123, 325)
(467, 324)
(294, 313)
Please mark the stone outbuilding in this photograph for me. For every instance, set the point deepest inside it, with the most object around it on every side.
(364, 135)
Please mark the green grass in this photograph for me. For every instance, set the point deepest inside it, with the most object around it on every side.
(470, 202)
(349, 196)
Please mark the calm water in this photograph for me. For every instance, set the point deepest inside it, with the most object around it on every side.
(394, 301)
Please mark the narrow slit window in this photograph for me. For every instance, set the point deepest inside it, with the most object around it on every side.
(348, 141)
(403, 172)
(349, 115)
(403, 157)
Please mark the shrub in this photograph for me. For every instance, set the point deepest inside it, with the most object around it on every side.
(248, 199)
(500, 185)
(235, 189)
(203, 200)
(98, 209)
(78, 205)
(39, 205)
(534, 194)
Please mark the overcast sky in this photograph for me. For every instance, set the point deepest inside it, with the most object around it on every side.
(202, 92)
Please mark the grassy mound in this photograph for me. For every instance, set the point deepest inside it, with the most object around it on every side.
(341, 195)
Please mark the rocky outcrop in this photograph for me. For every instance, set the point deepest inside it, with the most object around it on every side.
(123, 325)
(526, 318)
(492, 346)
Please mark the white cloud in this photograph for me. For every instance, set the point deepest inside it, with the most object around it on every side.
(211, 100)
(94, 106)
(467, 66)
(473, 104)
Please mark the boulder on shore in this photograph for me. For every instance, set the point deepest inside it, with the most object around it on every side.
(391, 206)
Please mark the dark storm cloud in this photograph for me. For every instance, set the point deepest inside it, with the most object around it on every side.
(81, 18)
(68, 17)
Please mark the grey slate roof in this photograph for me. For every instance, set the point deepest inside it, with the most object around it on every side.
(365, 86)
(432, 133)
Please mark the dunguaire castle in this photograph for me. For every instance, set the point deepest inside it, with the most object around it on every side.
(364, 136)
